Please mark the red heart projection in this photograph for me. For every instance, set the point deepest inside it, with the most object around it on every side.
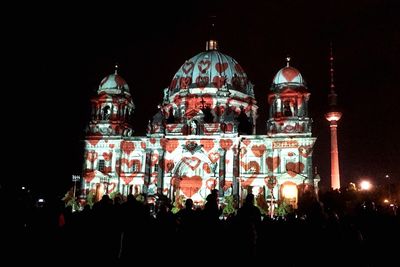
(273, 163)
(153, 140)
(294, 168)
(225, 143)
(107, 156)
(204, 65)
(168, 165)
(207, 144)
(254, 167)
(184, 82)
(111, 145)
(219, 81)
(190, 185)
(93, 142)
(187, 67)
(221, 67)
(206, 168)
(128, 177)
(305, 151)
(192, 162)
(258, 151)
(111, 187)
(202, 81)
(246, 142)
(289, 74)
(89, 176)
(251, 165)
(131, 162)
(169, 145)
(290, 154)
(247, 182)
(214, 156)
(127, 147)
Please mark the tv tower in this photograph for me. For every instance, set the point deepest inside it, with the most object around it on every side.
(333, 116)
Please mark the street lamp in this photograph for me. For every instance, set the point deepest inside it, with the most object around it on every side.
(75, 178)
(365, 185)
(388, 179)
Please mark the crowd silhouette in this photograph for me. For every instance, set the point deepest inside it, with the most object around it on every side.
(324, 231)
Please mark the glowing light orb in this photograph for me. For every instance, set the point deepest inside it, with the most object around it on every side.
(289, 191)
(365, 185)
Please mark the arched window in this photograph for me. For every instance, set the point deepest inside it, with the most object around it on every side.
(106, 112)
(287, 111)
(208, 117)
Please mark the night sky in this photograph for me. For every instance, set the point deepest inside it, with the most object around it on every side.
(60, 57)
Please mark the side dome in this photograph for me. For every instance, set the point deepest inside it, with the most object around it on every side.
(288, 77)
(113, 84)
(211, 69)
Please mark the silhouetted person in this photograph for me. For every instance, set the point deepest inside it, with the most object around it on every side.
(249, 218)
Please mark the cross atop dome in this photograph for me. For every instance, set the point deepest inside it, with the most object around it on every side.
(288, 61)
(212, 43)
(116, 69)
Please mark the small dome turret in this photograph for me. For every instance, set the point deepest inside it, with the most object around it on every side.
(288, 77)
(113, 84)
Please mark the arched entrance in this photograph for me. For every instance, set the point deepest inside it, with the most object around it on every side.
(289, 193)
(193, 177)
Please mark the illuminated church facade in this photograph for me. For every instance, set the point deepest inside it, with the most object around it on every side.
(203, 136)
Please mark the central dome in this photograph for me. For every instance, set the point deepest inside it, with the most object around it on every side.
(211, 69)
(207, 95)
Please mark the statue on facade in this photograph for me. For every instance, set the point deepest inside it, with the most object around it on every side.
(193, 127)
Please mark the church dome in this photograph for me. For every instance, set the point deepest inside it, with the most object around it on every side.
(211, 69)
(288, 77)
(113, 84)
(210, 87)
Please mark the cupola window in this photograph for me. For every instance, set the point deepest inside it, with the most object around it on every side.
(106, 112)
